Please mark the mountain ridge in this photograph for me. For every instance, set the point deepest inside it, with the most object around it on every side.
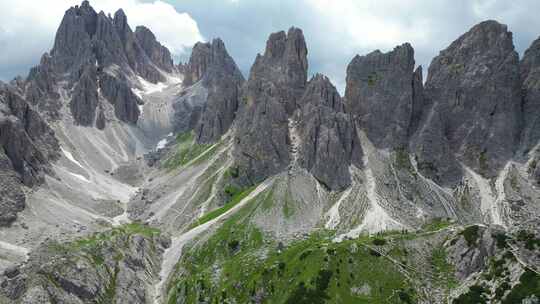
(108, 141)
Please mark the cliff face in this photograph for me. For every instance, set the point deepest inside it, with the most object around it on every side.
(209, 100)
(380, 95)
(157, 53)
(98, 52)
(264, 164)
(329, 142)
(27, 144)
(530, 76)
(276, 83)
(474, 86)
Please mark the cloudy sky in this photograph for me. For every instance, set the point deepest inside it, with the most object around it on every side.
(335, 30)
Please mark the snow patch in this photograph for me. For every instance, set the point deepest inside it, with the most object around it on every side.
(137, 93)
(14, 248)
(148, 88)
(121, 219)
(84, 179)
(70, 157)
(163, 142)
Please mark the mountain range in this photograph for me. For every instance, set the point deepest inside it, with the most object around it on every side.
(127, 178)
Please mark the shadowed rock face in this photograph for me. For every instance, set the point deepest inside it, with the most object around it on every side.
(276, 82)
(535, 172)
(219, 75)
(282, 70)
(136, 57)
(419, 103)
(530, 75)
(200, 58)
(329, 143)
(157, 53)
(13, 199)
(40, 87)
(85, 97)
(379, 94)
(474, 88)
(84, 34)
(118, 92)
(26, 146)
(73, 38)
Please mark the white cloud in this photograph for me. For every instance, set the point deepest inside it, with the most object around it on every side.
(28, 27)
(343, 28)
(177, 31)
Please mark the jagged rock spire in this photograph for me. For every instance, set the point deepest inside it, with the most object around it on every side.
(530, 75)
(474, 86)
(26, 146)
(211, 64)
(73, 37)
(283, 66)
(87, 41)
(158, 54)
(380, 94)
(329, 143)
(276, 82)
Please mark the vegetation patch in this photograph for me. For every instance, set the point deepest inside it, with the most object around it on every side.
(456, 68)
(402, 159)
(500, 239)
(91, 246)
(483, 162)
(373, 78)
(530, 240)
(436, 224)
(235, 265)
(443, 269)
(187, 150)
(315, 295)
(529, 285)
(471, 235)
(475, 295)
(232, 172)
(235, 199)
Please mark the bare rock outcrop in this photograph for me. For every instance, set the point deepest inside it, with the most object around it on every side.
(276, 83)
(85, 97)
(328, 139)
(474, 89)
(158, 54)
(89, 49)
(27, 144)
(117, 266)
(379, 94)
(117, 91)
(530, 76)
(212, 66)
